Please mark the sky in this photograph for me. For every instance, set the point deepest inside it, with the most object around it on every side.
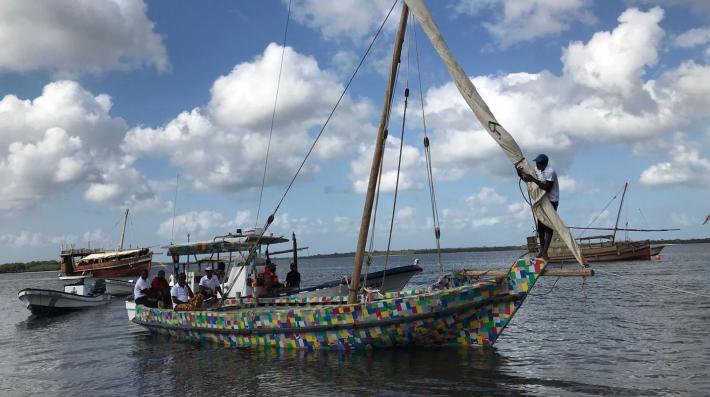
(166, 108)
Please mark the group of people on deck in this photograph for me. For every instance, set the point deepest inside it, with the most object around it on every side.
(180, 296)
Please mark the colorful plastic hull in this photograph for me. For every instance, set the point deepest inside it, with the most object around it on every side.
(459, 311)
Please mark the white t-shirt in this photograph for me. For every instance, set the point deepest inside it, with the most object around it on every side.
(180, 293)
(141, 284)
(549, 174)
(211, 283)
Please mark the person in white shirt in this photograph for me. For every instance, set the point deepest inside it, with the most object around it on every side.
(210, 282)
(140, 290)
(546, 178)
(181, 292)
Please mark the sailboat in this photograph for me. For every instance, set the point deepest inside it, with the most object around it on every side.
(602, 248)
(83, 262)
(459, 310)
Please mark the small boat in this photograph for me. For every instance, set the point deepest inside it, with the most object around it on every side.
(75, 296)
(603, 248)
(80, 262)
(116, 287)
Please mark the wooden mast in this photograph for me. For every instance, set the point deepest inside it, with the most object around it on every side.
(123, 231)
(618, 214)
(295, 249)
(377, 159)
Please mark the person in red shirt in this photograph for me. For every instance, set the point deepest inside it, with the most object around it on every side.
(271, 280)
(159, 285)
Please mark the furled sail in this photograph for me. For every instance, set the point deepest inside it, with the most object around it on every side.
(543, 209)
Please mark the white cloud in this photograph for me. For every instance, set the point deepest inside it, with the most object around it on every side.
(599, 99)
(199, 224)
(412, 166)
(682, 219)
(693, 38)
(220, 146)
(685, 166)
(343, 19)
(614, 61)
(484, 197)
(64, 138)
(527, 20)
(70, 36)
(567, 184)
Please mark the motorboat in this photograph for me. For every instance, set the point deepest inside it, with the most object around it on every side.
(76, 296)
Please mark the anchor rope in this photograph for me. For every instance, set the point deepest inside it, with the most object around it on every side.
(273, 115)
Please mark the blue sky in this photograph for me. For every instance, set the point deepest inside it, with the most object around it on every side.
(102, 107)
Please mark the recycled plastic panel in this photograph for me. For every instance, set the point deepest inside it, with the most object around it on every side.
(472, 314)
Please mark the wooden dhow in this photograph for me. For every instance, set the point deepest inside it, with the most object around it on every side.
(101, 263)
(458, 310)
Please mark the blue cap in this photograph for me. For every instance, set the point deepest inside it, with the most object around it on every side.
(540, 157)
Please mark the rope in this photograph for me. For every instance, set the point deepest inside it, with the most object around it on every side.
(396, 187)
(654, 284)
(399, 168)
(273, 115)
(427, 155)
(601, 212)
(270, 219)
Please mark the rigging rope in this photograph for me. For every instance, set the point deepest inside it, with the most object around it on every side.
(601, 212)
(399, 166)
(270, 219)
(396, 184)
(427, 155)
(273, 116)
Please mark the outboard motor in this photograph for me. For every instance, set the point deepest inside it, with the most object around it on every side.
(99, 287)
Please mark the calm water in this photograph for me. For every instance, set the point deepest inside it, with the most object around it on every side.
(601, 336)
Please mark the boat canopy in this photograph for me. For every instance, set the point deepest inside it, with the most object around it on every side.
(229, 244)
(110, 254)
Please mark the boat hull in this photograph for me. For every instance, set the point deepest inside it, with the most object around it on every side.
(128, 267)
(50, 302)
(460, 312)
(605, 251)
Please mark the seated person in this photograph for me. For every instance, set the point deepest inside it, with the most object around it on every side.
(141, 290)
(211, 283)
(293, 278)
(271, 280)
(161, 289)
(181, 292)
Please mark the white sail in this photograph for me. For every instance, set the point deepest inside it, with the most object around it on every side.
(543, 209)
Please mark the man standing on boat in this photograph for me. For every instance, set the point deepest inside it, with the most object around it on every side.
(546, 178)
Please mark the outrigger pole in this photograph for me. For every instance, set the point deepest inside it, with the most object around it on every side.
(377, 159)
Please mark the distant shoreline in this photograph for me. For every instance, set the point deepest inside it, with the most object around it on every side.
(43, 266)
(484, 249)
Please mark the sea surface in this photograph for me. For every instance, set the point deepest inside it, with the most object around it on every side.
(627, 331)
